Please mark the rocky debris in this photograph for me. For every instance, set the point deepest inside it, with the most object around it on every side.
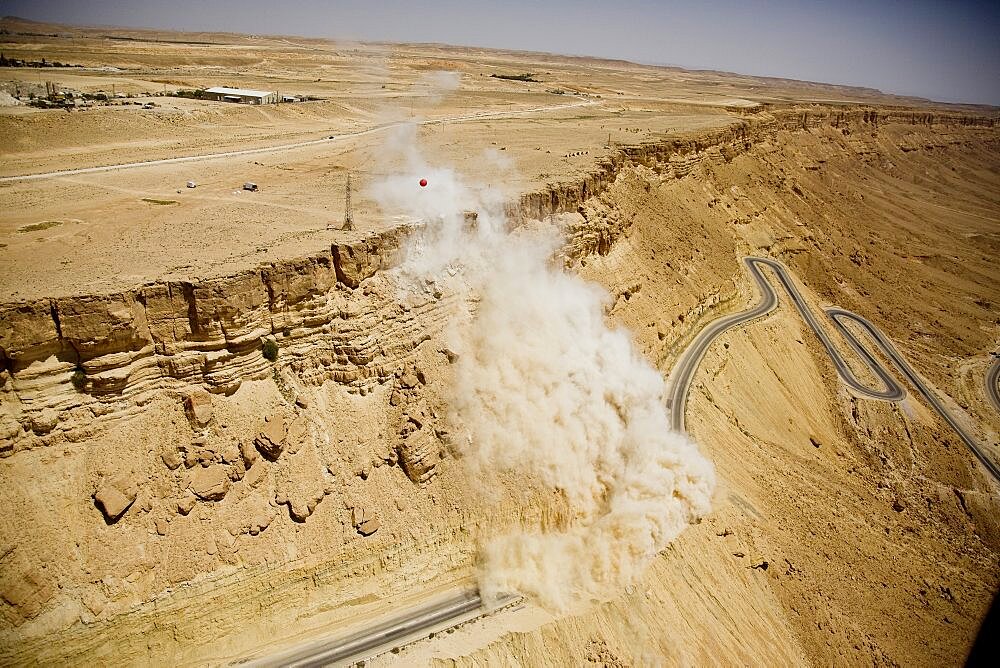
(419, 450)
(408, 380)
(210, 483)
(249, 454)
(198, 407)
(45, 421)
(254, 476)
(270, 439)
(364, 521)
(302, 482)
(396, 398)
(300, 508)
(295, 437)
(231, 453)
(172, 458)
(201, 451)
(898, 505)
(450, 354)
(419, 454)
(114, 498)
(301, 402)
(9, 427)
(250, 515)
(160, 524)
(186, 504)
(368, 527)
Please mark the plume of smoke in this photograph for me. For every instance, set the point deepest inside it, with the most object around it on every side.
(544, 386)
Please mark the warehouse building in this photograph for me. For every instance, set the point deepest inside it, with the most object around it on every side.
(240, 95)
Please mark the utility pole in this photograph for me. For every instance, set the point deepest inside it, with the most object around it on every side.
(348, 219)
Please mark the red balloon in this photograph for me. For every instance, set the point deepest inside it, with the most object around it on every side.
(423, 183)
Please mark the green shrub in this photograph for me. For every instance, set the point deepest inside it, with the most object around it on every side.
(79, 379)
(269, 348)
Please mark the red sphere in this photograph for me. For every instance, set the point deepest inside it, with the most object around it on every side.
(423, 183)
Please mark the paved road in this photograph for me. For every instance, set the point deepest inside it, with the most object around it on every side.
(408, 626)
(489, 115)
(993, 384)
(891, 390)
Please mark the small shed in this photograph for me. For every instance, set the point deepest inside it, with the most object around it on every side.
(240, 95)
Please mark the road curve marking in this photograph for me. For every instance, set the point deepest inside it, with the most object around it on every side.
(683, 373)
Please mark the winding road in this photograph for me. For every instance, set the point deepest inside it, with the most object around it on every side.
(487, 115)
(890, 389)
(993, 384)
(407, 626)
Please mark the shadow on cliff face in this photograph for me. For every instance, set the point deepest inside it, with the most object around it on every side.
(987, 646)
(545, 387)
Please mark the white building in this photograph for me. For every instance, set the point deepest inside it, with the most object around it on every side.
(240, 95)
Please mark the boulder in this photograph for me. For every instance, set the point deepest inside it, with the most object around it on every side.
(396, 398)
(45, 421)
(271, 438)
(186, 504)
(409, 380)
(210, 483)
(114, 498)
(249, 454)
(368, 527)
(419, 454)
(364, 521)
(198, 407)
(357, 516)
(172, 458)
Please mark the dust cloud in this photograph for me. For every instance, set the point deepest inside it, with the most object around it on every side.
(544, 387)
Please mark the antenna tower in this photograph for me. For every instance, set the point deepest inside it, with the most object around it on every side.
(348, 219)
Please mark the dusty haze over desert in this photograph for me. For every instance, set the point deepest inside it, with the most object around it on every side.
(317, 351)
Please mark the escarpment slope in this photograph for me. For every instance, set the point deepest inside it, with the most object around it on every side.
(177, 496)
(172, 334)
(855, 531)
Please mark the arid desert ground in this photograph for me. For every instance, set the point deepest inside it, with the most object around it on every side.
(229, 426)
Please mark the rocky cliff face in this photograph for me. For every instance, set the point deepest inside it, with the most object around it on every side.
(70, 365)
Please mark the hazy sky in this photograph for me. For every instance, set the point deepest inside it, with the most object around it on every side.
(947, 51)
